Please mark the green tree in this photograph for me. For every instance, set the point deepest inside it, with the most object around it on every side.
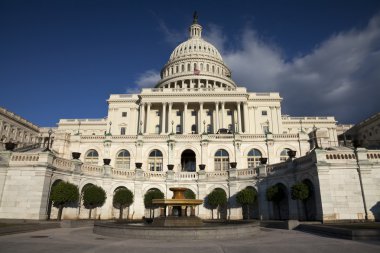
(246, 197)
(93, 197)
(189, 194)
(62, 195)
(121, 199)
(275, 194)
(301, 192)
(216, 199)
(149, 196)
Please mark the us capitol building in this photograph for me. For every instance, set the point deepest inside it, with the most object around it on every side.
(196, 129)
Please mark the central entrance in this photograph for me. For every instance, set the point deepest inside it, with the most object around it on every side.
(188, 161)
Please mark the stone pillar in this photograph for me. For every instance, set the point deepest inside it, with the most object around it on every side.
(170, 116)
(142, 118)
(163, 121)
(184, 116)
(200, 117)
(222, 125)
(255, 124)
(272, 124)
(279, 120)
(246, 117)
(147, 118)
(239, 125)
(216, 117)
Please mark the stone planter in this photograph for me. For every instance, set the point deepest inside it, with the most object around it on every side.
(263, 160)
(233, 165)
(10, 146)
(138, 165)
(202, 166)
(106, 161)
(75, 155)
(170, 166)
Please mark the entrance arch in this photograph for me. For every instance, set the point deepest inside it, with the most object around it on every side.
(310, 205)
(188, 161)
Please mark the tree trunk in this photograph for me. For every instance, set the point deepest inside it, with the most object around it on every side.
(120, 213)
(128, 214)
(249, 215)
(279, 211)
(89, 214)
(60, 212)
(305, 208)
(212, 214)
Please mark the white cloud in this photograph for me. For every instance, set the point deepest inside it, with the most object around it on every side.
(148, 79)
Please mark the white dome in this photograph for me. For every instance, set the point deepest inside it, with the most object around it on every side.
(195, 63)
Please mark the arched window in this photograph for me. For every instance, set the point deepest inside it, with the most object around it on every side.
(176, 69)
(201, 66)
(155, 160)
(188, 67)
(92, 157)
(284, 155)
(254, 156)
(213, 69)
(207, 67)
(183, 68)
(221, 160)
(193, 128)
(195, 66)
(123, 160)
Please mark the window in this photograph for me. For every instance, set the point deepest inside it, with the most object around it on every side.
(92, 157)
(264, 113)
(284, 155)
(207, 67)
(188, 67)
(157, 129)
(179, 113)
(194, 128)
(155, 160)
(254, 156)
(124, 114)
(193, 113)
(221, 160)
(178, 129)
(122, 131)
(209, 129)
(183, 68)
(123, 160)
(229, 112)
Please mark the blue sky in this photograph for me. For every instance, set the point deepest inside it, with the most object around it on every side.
(62, 59)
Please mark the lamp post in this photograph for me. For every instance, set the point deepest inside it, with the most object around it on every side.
(79, 123)
(360, 181)
(172, 126)
(204, 126)
(48, 144)
(109, 131)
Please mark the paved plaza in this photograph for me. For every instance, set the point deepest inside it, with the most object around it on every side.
(82, 240)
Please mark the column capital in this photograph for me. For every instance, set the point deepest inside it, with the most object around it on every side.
(201, 103)
(185, 103)
(170, 103)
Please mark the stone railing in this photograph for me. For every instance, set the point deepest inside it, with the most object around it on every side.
(183, 176)
(63, 164)
(24, 157)
(217, 174)
(92, 169)
(123, 173)
(340, 155)
(154, 175)
(251, 172)
(373, 155)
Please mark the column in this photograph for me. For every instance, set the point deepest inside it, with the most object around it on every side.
(163, 119)
(147, 118)
(216, 117)
(256, 129)
(222, 125)
(200, 122)
(142, 118)
(239, 125)
(184, 116)
(272, 126)
(1, 128)
(246, 117)
(170, 117)
(279, 120)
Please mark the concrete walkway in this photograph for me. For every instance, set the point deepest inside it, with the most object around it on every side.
(269, 240)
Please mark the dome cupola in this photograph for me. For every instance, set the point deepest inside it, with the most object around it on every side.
(195, 63)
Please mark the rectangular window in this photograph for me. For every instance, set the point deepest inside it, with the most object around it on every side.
(193, 113)
(124, 114)
(179, 113)
(264, 113)
(122, 131)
